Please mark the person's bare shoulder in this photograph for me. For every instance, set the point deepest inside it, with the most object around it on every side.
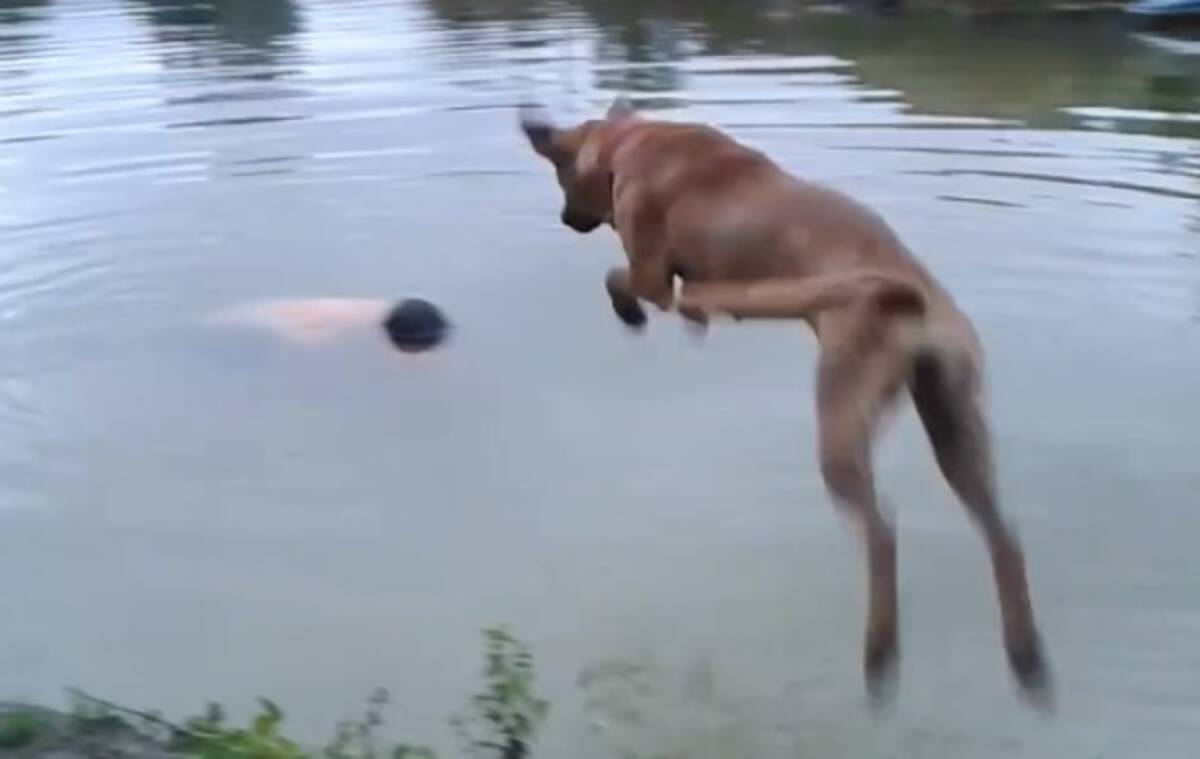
(303, 320)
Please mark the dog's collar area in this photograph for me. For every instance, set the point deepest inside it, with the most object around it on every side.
(611, 218)
(619, 128)
(614, 136)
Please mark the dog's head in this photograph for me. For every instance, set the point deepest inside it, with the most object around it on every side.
(580, 161)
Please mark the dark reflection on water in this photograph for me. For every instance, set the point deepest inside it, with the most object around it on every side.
(17, 40)
(1024, 67)
(312, 522)
(232, 30)
(18, 11)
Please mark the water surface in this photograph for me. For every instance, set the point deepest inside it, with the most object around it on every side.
(189, 513)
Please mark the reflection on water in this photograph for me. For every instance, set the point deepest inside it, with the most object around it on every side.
(16, 42)
(186, 512)
(193, 33)
(256, 25)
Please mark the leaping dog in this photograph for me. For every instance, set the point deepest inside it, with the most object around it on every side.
(747, 240)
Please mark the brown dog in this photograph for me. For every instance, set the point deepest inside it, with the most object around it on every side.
(749, 241)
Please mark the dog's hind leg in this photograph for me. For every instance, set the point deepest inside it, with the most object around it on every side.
(854, 389)
(944, 388)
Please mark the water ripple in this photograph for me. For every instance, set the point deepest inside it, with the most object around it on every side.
(162, 159)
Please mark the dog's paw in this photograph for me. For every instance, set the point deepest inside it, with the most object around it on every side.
(694, 316)
(1027, 662)
(695, 322)
(630, 312)
(697, 330)
(881, 672)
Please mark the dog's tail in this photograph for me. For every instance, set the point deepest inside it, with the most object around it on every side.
(899, 298)
(942, 364)
(942, 372)
(931, 378)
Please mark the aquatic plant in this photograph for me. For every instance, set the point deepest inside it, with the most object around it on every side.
(499, 722)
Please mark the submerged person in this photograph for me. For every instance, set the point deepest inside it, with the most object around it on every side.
(412, 325)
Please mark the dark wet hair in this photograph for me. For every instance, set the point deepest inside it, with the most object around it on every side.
(415, 324)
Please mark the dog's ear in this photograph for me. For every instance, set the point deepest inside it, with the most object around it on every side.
(536, 124)
(621, 107)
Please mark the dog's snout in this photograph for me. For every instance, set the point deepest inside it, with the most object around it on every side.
(580, 222)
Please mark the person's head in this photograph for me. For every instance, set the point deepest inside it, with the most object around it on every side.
(414, 325)
(580, 158)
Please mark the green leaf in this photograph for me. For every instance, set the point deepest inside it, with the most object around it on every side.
(17, 729)
(267, 721)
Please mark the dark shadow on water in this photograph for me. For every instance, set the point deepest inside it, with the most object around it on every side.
(653, 34)
(241, 52)
(726, 24)
(1023, 67)
(18, 11)
(205, 345)
(199, 33)
(16, 39)
(1045, 71)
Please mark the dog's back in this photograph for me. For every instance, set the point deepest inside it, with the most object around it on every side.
(731, 213)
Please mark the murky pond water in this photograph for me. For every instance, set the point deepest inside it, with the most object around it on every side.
(188, 512)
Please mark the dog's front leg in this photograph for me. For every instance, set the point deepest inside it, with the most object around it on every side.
(642, 281)
(649, 276)
(619, 284)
